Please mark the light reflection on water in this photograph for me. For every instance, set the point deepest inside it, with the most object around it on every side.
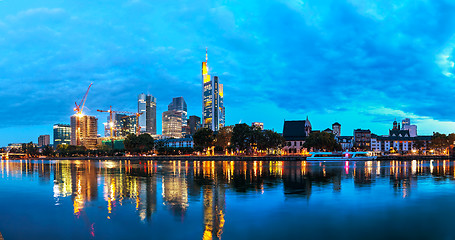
(221, 199)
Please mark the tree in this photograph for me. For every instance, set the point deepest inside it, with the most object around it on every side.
(439, 141)
(223, 138)
(139, 144)
(48, 151)
(322, 141)
(271, 140)
(203, 138)
(241, 137)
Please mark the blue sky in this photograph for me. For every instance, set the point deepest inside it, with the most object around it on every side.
(357, 62)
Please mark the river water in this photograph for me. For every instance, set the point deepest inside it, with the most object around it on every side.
(69, 199)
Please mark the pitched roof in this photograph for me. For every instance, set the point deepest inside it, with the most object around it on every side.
(336, 123)
(294, 130)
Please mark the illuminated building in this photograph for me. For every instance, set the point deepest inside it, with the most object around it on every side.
(44, 140)
(194, 123)
(123, 125)
(178, 104)
(213, 111)
(406, 125)
(362, 139)
(174, 120)
(172, 124)
(258, 125)
(146, 104)
(84, 131)
(295, 133)
(62, 134)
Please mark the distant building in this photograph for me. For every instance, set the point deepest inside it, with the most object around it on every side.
(213, 111)
(177, 142)
(44, 140)
(178, 104)
(336, 129)
(125, 124)
(295, 133)
(328, 130)
(146, 104)
(346, 142)
(399, 140)
(62, 134)
(194, 123)
(259, 125)
(84, 131)
(172, 124)
(362, 139)
(406, 125)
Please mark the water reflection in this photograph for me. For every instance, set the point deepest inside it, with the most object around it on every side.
(179, 184)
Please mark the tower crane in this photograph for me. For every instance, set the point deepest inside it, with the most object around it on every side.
(111, 123)
(78, 109)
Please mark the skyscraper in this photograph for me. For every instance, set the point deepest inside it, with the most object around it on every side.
(84, 131)
(213, 112)
(175, 119)
(179, 104)
(172, 124)
(194, 123)
(146, 104)
(62, 134)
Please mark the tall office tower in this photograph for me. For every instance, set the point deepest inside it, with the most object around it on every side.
(84, 131)
(172, 124)
(146, 104)
(194, 123)
(213, 112)
(62, 134)
(44, 140)
(178, 104)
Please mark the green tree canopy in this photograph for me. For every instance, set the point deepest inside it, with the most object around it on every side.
(139, 144)
(203, 138)
(322, 141)
(223, 137)
(241, 136)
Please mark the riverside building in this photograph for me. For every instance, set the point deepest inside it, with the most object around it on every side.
(84, 131)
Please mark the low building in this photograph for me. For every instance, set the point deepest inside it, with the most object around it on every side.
(62, 134)
(259, 125)
(295, 133)
(399, 144)
(362, 139)
(176, 142)
(346, 142)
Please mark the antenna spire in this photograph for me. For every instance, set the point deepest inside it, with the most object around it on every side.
(206, 55)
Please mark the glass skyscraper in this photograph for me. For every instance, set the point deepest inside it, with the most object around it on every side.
(213, 112)
(175, 119)
(146, 104)
(62, 134)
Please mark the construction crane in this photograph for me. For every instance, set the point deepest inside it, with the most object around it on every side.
(78, 109)
(138, 126)
(111, 123)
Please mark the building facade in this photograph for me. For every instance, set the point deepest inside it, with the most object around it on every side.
(213, 111)
(336, 129)
(44, 140)
(84, 131)
(146, 104)
(194, 123)
(295, 133)
(62, 134)
(406, 125)
(362, 139)
(172, 124)
(346, 142)
(258, 125)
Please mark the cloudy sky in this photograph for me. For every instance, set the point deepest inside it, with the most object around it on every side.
(361, 63)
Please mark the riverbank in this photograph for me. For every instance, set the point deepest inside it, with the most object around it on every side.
(241, 158)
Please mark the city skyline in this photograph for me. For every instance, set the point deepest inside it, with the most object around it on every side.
(361, 65)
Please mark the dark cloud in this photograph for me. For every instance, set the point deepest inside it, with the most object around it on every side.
(312, 56)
